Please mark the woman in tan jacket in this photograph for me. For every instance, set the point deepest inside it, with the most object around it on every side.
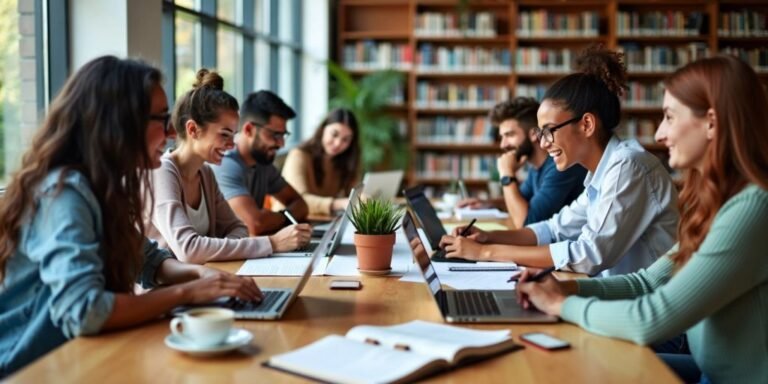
(190, 215)
(324, 168)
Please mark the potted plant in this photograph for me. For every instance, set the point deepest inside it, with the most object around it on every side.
(375, 223)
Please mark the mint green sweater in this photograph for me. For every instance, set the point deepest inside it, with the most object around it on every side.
(720, 297)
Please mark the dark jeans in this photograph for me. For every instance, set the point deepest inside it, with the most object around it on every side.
(675, 353)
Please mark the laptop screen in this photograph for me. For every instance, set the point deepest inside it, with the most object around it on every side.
(420, 255)
(354, 199)
(382, 185)
(426, 215)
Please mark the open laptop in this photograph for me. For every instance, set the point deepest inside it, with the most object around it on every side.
(469, 306)
(427, 218)
(276, 300)
(382, 185)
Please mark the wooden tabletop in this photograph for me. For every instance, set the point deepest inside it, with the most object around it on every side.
(139, 355)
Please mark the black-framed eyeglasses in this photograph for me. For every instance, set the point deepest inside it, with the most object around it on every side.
(165, 118)
(276, 135)
(548, 133)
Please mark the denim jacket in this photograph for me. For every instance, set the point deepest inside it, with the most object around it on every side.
(54, 288)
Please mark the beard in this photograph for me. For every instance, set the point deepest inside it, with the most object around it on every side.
(260, 154)
(525, 149)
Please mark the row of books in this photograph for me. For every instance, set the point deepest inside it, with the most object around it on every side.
(658, 23)
(640, 129)
(544, 23)
(644, 95)
(756, 57)
(662, 58)
(369, 54)
(454, 130)
(450, 166)
(457, 96)
(469, 24)
(463, 59)
(742, 23)
(539, 60)
(535, 91)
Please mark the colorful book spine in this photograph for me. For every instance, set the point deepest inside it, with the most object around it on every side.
(461, 59)
(454, 130)
(459, 96)
(661, 58)
(444, 166)
(640, 129)
(659, 23)
(471, 24)
(743, 23)
(373, 55)
(756, 57)
(644, 95)
(538, 60)
(545, 23)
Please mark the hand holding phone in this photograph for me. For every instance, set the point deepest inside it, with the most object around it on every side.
(346, 284)
(544, 341)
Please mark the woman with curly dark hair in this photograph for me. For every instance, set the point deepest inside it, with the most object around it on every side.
(625, 218)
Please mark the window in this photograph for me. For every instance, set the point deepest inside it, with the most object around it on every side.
(253, 44)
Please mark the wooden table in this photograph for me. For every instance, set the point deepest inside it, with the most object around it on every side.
(139, 355)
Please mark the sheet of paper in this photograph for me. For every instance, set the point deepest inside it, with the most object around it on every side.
(464, 280)
(280, 266)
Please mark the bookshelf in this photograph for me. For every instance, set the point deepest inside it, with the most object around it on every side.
(459, 62)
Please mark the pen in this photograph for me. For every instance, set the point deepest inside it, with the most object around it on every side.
(482, 269)
(535, 277)
(466, 229)
(290, 217)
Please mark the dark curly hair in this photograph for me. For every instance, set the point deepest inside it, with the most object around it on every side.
(596, 87)
(521, 109)
(203, 103)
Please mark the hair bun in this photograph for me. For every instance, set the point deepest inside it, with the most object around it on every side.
(206, 78)
(606, 65)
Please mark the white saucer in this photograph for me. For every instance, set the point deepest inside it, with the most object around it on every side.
(237, 338)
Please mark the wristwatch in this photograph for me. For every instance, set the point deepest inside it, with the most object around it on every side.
(507, 180)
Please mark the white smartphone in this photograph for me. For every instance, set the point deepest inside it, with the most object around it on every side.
(346, 284)
(544, 341)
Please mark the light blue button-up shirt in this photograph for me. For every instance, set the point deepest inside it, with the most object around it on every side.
(623, 221)
(54, 286)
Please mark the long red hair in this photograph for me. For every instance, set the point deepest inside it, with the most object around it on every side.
(737, 155)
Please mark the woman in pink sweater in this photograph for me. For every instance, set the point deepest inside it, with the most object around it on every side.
(190, 216)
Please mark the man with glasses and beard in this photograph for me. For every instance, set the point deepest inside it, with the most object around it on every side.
(546, 189)
(246, 174)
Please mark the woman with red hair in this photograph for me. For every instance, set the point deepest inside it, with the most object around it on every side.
(714, 284)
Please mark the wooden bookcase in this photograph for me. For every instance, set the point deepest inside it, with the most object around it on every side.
(457, 67)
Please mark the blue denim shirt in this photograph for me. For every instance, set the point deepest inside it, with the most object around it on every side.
(54, 288)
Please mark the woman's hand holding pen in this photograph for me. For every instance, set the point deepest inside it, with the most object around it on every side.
(463, 247)
(547, 294)
(474, 233)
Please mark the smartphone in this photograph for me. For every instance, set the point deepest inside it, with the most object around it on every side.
(346, 284)
(544, 341)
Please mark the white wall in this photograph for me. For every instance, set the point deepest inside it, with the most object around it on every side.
(125, 28)
(314, 99)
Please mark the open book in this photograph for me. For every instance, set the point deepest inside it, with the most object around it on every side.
(394, 354)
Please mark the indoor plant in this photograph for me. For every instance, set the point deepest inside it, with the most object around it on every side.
(375, 223)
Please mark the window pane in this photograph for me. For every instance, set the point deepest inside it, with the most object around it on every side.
(187, 52)
(286, 76)
(261, 65)
(261, 17)
(191, 4)
(11, 131)
(229, 10)
(229, 57)
(286, 22)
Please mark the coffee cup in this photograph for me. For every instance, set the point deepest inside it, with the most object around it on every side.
(204, 327)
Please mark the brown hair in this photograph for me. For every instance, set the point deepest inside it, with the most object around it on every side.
(736, 156)
(521, 109)
(203, 103)
(346, 162)
(101, 114)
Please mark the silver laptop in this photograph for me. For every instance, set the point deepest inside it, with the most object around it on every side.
(277, 300)
(382, 185)
(469, 306)
(354, 198)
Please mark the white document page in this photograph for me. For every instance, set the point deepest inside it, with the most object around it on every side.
(280, 266)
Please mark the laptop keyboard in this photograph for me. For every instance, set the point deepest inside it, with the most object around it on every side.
(270, 297)
(475, 303)
(439, 257)
(309, 248)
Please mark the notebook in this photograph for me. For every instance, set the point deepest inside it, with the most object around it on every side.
(427, 218)
(469, 306)
(276, 300)
(382, 185)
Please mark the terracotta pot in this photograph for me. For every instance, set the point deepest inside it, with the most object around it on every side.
(374, 252)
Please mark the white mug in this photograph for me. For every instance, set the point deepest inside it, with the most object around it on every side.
(204, 327)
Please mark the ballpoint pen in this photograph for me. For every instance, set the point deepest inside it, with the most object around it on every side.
(290, 217)
(535, 277)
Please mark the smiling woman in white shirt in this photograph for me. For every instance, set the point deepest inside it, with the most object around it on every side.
(625, 218)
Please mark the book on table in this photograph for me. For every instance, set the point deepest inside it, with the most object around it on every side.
(392, 354)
